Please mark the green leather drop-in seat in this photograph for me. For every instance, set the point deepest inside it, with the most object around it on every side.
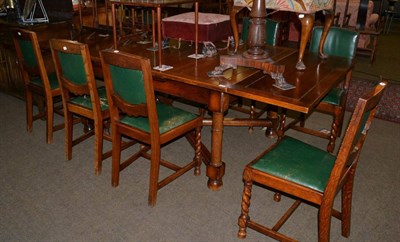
(169, 117)
(87, 103)
(53, 80)
(334, 96)
(298, 162)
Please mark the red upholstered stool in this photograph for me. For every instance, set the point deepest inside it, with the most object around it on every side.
(212, 27)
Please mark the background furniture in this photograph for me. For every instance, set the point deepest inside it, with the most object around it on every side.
(305, 11)
(360, 16)
(136, 114)
(309, 174)
(390, 13)
(157, 5)
(211, 27)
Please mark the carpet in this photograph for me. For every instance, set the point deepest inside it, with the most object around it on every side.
(389, 106)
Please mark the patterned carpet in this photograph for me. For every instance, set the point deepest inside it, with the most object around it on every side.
(389, 106)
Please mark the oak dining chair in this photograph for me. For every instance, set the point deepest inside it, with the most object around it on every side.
(135, 113)
(81, 97)
(310, 175)
(343, 43)
(37, 81)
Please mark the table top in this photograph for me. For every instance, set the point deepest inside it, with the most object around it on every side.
(152, 3)
(311, 85)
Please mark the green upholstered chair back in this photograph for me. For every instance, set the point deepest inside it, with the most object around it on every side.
(75, 73)
(28, 54)
(72, 67)
(131, 91)
(339, 42)
(272, 31)
(129, 85)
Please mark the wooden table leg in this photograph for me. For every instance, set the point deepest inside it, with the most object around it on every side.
(273, 116)
(218, 104)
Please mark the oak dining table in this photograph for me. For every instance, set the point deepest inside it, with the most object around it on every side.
(189, 79)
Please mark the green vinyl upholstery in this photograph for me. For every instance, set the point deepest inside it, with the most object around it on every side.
(53, 80)
(133, 92)
(168, 118)
(298, 162)
(28, 53)
(339, 42)
(272, 31)
(334, 96)
(73, 68)
(85, 101)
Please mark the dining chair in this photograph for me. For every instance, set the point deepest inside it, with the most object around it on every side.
(37, 81)
(311, 175)
(272, 39)
(81, 96)
(135, 113)
(343, 43)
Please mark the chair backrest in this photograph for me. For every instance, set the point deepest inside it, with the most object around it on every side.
(339, 42)
(272, 31)
(353, 140)
(30, 57)
(129, 86)
(74, 70)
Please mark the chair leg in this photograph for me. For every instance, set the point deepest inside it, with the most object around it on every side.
(302, 120)
(244, 216)
(332, 136)
(50, 119)
(154, 173)
(324, 223)
(116, 156)
(98, 146)
(340, 119)
(347, 192)
(252, 115)
(29, 111)
(68, 134)
(197, 157)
